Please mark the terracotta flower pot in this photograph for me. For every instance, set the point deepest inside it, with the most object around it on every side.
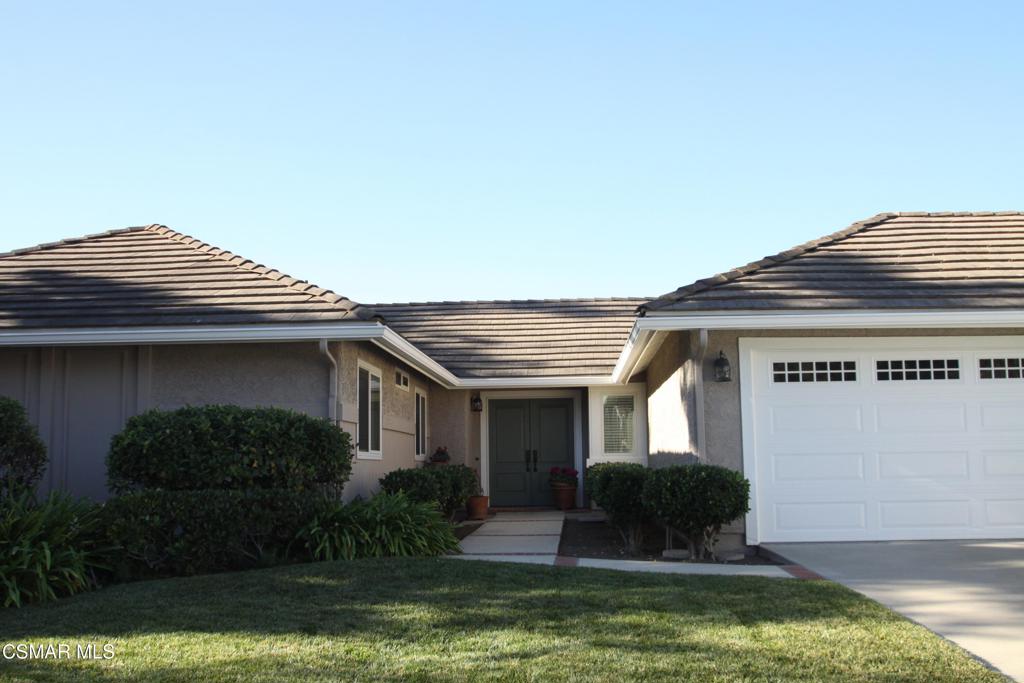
(564, 496)
(477, 507)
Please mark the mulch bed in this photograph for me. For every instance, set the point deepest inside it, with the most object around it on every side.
(601, 540)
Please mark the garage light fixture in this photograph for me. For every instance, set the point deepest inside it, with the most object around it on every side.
(723, 371)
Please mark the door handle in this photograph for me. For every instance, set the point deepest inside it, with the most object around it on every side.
(535, 460)
(527, 459)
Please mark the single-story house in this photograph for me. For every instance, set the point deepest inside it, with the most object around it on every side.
(869, 384)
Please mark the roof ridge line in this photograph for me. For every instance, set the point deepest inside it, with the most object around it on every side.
(707, 283)
(514, 301)
(305, 287)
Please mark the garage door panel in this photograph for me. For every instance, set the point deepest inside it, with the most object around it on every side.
(800, 467)
(915, 416)
(999, 464)
(870, 459)
(815, 418)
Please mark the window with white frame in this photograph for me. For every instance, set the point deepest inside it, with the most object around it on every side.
(619, 418)
(618, 423)
(421, 424)
(370, 409)
(402, 380)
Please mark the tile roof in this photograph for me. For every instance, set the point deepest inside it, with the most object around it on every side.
(555, 337)
(153, 276)
(892, 260)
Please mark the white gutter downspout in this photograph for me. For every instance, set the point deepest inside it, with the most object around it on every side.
(332, 391)
(698, 387)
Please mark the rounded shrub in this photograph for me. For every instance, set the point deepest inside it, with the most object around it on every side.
(697, 500)
(618, 489)
(22, 452)
(179, 533)
(449, 486)
(418, 483)
(229, 447)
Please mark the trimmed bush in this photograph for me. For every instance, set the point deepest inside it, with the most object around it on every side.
(419, 484)
(618, 489)
(697, 500)
(175, 533)
(22, 452)
(388, 525)
(48, 549)
(449, 486)
(229, 447)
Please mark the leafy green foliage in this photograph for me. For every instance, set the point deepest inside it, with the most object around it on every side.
(697, 500)
(48, 549)
(450, 486)
(229, 447)
(172, 533)
(388, 525)
(618, 489)
(22, 452)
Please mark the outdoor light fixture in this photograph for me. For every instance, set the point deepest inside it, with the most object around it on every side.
(723, 371)
(476, 404)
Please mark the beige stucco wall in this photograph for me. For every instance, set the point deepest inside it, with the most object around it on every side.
(399, 414)
(670, 419)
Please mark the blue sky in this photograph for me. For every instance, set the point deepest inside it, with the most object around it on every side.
(451, 150)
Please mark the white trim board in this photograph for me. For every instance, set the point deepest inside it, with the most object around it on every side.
(577, 430)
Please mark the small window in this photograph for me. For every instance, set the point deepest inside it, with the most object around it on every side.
(368, 428)
(401, 380)
(814, 371)
(1000, 368)
(928, 369)
(618, 424)
(421, 424)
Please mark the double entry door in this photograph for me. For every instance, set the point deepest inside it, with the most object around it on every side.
(527, 438)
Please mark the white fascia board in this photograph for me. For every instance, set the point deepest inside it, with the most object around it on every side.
(399, 346)
(535, 382)
(630, 355)
(193, 334)
(777, 320)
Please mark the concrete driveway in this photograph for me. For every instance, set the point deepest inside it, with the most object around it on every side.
(971, 592)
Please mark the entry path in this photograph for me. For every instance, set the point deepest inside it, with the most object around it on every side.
(533, 538)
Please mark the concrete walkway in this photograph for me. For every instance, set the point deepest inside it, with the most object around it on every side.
(971, 592)
(533, 538)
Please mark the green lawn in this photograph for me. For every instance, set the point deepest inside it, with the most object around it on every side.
(437, 619)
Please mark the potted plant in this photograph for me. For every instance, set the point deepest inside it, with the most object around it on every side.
(440, 456)
(563, 486)
(478, 505)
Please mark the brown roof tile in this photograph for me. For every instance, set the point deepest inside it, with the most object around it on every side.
(892, 260)
(528, 338)
(153, 276)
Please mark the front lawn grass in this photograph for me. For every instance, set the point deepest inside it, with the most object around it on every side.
(442, 619)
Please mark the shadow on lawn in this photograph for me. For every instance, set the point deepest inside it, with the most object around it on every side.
(395, 599)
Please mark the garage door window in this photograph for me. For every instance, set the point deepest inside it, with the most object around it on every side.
(1000, 368)
(903, 370)
(814, 371)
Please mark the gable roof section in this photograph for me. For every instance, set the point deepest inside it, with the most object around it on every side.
(890, 261)
(154, 276)
(545, 338)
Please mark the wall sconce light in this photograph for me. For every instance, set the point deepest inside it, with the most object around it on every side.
(476, 404)
(723, 371)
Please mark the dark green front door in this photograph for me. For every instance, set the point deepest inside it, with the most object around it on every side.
(527, 438)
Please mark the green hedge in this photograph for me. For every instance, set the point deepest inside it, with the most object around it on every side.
(229, 447)
(449, 486)
(22, 452)
(618, 489)
(50, 548)
(697, 500)
(174, 533)
(388, 525)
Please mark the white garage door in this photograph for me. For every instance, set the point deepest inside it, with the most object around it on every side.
(886, 438)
